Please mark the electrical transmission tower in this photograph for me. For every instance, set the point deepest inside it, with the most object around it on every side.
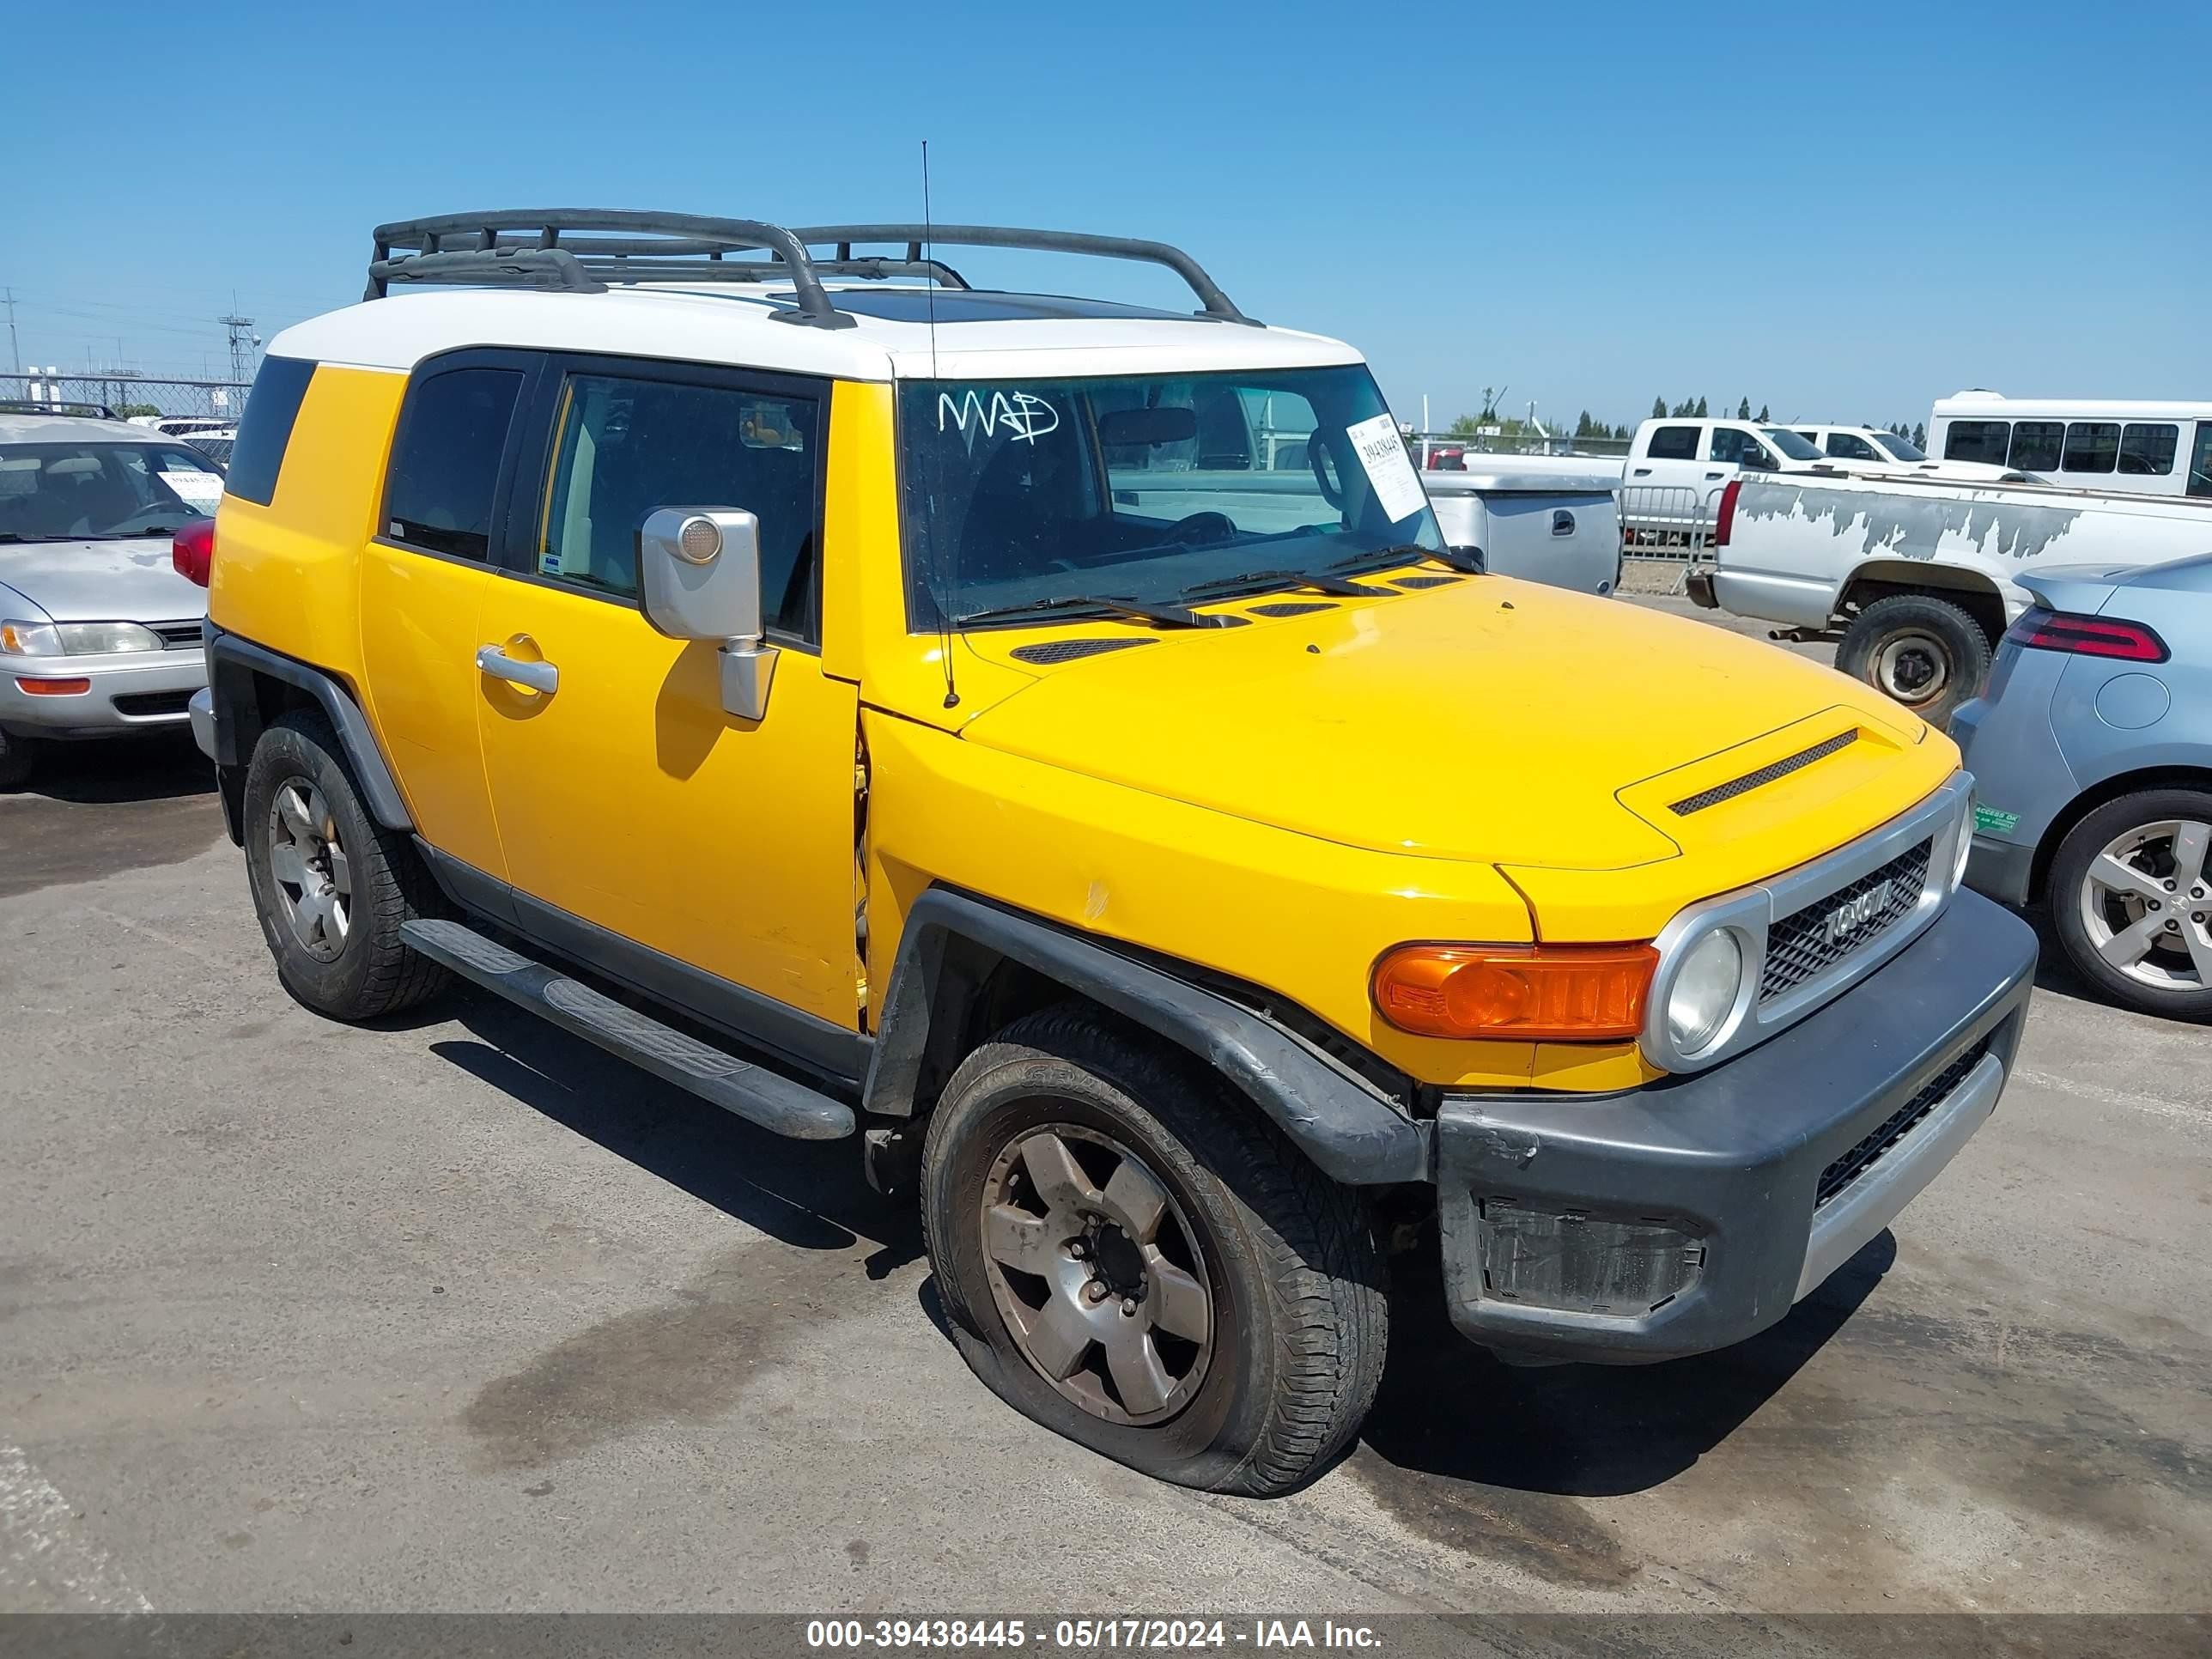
(243, 343)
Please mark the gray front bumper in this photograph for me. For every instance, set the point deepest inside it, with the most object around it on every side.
(129, 692)
(1694, 1213)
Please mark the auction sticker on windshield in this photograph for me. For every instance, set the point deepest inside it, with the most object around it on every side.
(196, 488)
(1382, 458)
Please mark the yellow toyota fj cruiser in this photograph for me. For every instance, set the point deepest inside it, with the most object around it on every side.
(1048, 740)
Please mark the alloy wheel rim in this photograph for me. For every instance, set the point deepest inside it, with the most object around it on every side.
(309, 867)
(2146, 906)
(1912, 668)
(1097, 1273)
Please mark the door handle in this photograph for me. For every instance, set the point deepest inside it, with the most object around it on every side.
(541, 677)
(1712, 474)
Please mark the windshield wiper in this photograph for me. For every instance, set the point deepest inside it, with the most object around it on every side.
(1450, 558)
(1261, 580)
(1166, 615)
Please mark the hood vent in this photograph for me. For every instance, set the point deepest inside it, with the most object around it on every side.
(1765, 775)
(1422, 581)
(1052, 651)
(1291, 608)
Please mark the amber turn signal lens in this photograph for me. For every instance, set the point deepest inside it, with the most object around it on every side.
(1563, 992)
(53, 688)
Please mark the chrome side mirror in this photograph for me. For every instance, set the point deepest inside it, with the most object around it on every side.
(698, 570)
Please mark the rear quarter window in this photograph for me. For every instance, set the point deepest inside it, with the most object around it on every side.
(272, 409)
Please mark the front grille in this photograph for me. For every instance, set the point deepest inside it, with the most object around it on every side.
(179, 636)
(1068, 650)
(1291, 608)
(1800, 946)
(1765, 775)
(1840, 1174)
(143, 704)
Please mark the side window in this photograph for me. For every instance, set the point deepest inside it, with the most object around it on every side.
(2090, 446)
(444, 461)
(2200, 461)
(1976, 441)
(2036, 444)
(272, 408)
(1674, 443)
(1849, 446)
(2147, 449)
(1734, 445)
(623, 447)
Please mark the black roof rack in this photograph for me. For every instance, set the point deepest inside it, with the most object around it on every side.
(681, 247)
(69, 406)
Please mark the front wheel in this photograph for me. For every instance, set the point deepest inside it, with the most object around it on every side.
(2131, 905)
(1130, 1255)
(19, 758)
(1921, 651)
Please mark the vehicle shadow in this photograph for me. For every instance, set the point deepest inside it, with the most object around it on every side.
(1450, 1409)
(1446, 1408)
(807, 1194)
(156, 766)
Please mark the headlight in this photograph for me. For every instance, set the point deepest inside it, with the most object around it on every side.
(90, 639)
(1965, 844)
(1705, 991)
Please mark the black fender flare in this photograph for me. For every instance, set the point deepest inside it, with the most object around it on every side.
(233, 664)
(1351, 1132)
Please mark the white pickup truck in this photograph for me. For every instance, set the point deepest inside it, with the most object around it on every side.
(1671, 483)
(1917, 574)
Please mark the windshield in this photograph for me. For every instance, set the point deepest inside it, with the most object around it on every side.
(102, 491)
(1143, 488)
(1903, 448)
(1791, 444)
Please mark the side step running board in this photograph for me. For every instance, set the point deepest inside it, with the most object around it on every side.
(759, 1097)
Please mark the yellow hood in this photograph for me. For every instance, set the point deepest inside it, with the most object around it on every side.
(1489, 719)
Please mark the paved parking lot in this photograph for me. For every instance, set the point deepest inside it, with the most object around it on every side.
(459, 1313)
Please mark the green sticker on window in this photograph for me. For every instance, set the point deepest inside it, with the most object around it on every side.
(1995, 823)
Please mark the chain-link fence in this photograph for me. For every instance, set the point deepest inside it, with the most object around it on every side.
(129, 394)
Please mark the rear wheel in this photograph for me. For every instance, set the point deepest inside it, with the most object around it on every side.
(329, 884)
(1130, 1255)
(1925, 653)
(2131, 905)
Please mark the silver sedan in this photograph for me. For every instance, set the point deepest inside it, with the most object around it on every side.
(2091, 755)
(100, 635)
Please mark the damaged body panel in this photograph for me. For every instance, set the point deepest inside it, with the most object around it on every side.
(1796, 549)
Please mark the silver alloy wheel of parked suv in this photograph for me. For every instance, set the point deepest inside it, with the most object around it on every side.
(309, 863)
(1083, 1267)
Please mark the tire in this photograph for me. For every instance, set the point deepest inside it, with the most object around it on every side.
(2156, 837)
(19, 758)
(350, 964)
(1281, 1260)
(1918, 650)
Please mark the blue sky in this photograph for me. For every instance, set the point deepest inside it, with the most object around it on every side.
(1841, 209)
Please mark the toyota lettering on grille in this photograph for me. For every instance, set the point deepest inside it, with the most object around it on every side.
(1854, 914)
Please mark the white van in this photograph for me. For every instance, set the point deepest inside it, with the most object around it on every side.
(2146, 448)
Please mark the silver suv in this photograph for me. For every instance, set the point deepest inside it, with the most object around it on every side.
(100, 635)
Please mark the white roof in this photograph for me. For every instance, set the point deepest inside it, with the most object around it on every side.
(979, 334)
(2115, 409)
(16, 428)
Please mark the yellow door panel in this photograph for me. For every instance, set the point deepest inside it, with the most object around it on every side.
(627, 797)
(418, 644)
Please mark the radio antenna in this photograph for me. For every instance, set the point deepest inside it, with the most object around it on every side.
(952, 572)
